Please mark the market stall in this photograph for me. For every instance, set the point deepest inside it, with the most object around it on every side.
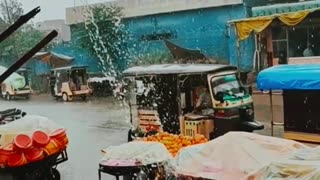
(30, 146)
(300, 85)
(235, 155)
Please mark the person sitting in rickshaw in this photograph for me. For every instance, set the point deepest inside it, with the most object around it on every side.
(204, 103)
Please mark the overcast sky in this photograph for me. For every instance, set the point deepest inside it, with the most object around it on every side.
(53, 9)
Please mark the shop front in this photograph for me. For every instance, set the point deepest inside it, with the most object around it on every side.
(284, 34)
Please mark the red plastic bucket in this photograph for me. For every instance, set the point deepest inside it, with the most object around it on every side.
(40, 139)
(34, 154)
(17, 159)
(61, 136)
(52, 148)
(5, 153)
(22, 142)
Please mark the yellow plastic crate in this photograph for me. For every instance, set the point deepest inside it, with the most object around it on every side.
(194, 127)
(204, 127)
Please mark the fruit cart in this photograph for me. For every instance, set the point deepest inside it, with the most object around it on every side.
(45, 169)
(128, 170)
(31, 157)
(144, 160)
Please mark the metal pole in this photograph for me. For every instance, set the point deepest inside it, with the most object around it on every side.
(238, 51)
(271, 111)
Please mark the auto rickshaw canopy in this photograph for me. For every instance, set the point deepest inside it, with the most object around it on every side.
(166, 69)
(290, 77)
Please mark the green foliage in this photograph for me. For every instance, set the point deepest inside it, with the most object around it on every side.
(11, 10)
(105, 37)
(21, 40)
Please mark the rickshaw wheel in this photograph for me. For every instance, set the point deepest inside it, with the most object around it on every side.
(27, 97)
(65, 97)
(8, 96)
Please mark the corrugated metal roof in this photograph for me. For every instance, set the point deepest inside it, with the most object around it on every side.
(163, 69)
(284, 8)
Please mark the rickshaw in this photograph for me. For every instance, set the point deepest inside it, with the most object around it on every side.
(164, 98)
(13, 89)
(300, 85)
(69, 82)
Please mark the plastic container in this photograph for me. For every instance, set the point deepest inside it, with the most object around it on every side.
(34, 154)
(22, 142)
(17, 159)
(5, 154)
(52, 148)
(61, 136)
(40, 139)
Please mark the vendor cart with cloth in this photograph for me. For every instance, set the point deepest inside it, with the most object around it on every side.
(134, 159)
(300, 85)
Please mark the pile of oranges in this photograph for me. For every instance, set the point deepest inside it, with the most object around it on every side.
(175, 142)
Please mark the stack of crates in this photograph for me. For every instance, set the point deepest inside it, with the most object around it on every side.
(149, 119)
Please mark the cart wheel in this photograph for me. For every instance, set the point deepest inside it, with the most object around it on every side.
(83, 98)
(54, 175)
(128, 177)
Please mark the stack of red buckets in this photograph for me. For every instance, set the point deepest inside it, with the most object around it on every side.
(25, 149)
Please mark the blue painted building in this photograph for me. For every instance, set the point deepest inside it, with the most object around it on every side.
(194, 24)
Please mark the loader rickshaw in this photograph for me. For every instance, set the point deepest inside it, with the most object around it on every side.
(190, 99)
(17, 85)
(69, 82)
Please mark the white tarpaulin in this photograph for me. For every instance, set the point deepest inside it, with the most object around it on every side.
(302, 165)
(26, 125)
(285, 170)
(15, 80)
(235, 155)
(143, 152)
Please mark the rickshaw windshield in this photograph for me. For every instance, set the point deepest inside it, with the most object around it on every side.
(228, 85)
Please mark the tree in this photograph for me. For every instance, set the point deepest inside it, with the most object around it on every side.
(11, 10)
(106, 38)
(22, 39)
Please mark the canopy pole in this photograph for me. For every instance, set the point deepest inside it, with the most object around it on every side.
(271, 111)
(238, 51)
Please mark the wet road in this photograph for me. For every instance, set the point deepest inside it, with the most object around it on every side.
(94, 125)
(91, 126)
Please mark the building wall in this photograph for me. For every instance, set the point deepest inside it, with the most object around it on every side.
(135, 8)
(203, 29)
(60, 26)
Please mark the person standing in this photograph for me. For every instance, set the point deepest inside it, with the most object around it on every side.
(308, 51)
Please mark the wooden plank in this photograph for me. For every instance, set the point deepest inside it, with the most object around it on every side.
(299, 136)
(148, 117)
(151, 112)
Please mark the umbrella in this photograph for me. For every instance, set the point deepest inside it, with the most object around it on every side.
(53, 59)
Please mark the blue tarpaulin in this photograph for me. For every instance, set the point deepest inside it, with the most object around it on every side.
(290, 77)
